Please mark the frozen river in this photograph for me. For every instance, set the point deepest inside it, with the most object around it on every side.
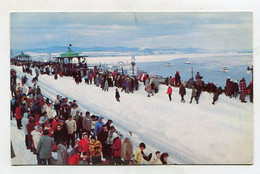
(209, 67)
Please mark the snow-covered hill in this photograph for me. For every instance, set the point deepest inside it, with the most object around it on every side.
(191, 133)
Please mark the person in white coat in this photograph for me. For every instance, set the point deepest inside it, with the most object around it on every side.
(74, 110)
(48, 109)
(24, 89)
(156, 158)
(36, 135)
(25, 121)
(71, 128)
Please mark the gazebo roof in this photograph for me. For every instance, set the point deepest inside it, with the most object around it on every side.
(69, 54)
(23, 55)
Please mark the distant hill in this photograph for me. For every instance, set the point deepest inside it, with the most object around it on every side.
(163, 50)
(55, 49)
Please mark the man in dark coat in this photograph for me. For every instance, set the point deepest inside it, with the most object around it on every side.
(117, 96)
(79, 122)
(102, 137)
(182, 92)
(177, 79)
(228, 87)
(236, 88)
(65, 110)
(108, 124)
(250, 88)
(59, 135)
(216, 95)
(190, 83)
(198, 76)
(135, 83)
(166, 81)
(198, 94)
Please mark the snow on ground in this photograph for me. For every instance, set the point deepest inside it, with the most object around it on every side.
(190, 133)
(22, 155)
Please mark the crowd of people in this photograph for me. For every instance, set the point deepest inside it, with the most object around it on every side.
(231, 89)
(107, 79)
(79, 139)
(103, 79)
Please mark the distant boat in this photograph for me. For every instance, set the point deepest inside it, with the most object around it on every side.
(225, 70)
(187, 62)
(168, 64)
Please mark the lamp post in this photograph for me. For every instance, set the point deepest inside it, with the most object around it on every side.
(133, 64)
(252, 70)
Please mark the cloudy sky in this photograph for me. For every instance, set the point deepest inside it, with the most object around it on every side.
(213, 31)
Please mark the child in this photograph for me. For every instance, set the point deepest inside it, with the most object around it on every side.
(139, 154)
(74, 156)
(156, 159)
(117, 95)
(164, 158)
(169, 92)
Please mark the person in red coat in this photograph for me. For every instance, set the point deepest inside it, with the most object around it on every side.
(60, 73)
(116, 150)
(18, 116)
(84, 143)
(169, 92)
(242, 85)
(55, 123)
(74, 156)
(47, 127)
(30, 128)
(172, 81)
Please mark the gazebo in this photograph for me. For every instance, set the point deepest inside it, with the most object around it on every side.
(23, 56)
(69, 55)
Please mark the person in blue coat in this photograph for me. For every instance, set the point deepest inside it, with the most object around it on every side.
(99, 125)
(86, 79)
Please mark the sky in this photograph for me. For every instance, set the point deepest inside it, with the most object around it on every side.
(211, 31)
